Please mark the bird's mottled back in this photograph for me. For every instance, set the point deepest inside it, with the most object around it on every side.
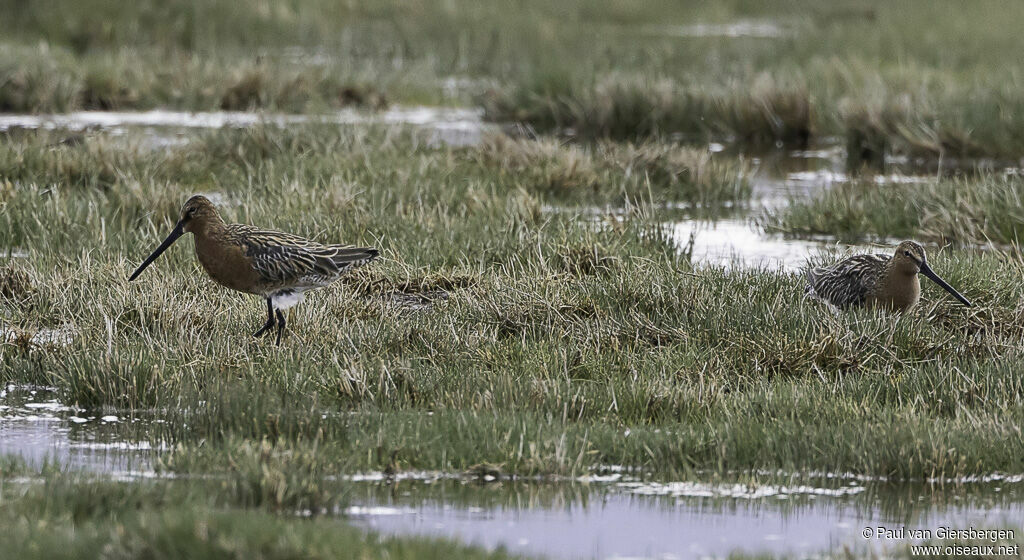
(288, 261)
(847, 283)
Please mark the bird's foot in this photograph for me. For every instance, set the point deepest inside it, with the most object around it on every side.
(264, 329)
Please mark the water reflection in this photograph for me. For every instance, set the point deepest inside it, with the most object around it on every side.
(37, 427)
(612, 520)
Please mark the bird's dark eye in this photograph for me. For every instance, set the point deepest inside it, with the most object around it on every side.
(907, 253)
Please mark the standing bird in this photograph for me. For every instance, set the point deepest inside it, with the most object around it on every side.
(276, 266)
(876, 280)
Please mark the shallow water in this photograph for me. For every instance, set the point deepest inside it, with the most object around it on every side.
(729, 235)
(740, 243)
(779, 177)
(761, 29)
(218, 119)
(611, 514)
(693, 519)
(37, 427)
(451, 126)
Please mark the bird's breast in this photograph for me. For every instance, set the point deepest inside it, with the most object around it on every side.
(899, 292)
(227, 264)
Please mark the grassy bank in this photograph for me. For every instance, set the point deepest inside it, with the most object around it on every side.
(546, 170)
(760, 112)
(492, 331)
(910, 112)
(901, 78)
(975, 210)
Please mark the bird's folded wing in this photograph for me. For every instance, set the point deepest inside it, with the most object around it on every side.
(848, 282)
(286, 258)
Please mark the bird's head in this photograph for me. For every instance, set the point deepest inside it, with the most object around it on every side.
(910, 258)
(196, 212)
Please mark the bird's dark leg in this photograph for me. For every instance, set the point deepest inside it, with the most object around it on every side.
(270, 320)
(280, 326)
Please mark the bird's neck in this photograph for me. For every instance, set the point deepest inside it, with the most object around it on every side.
(899, 286)
(207, 227)
(900, 271)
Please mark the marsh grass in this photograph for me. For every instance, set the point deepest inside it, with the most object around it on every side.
(559, 343)
(634, 108)
(546, 169)
(67, 159)
(598, 70)
(576, 172)
(920, 127)
(937, 121)
(966, 211)
(48, 80)
(15, 283)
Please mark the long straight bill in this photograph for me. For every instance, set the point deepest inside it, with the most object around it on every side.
(178, 231)
(927, 271)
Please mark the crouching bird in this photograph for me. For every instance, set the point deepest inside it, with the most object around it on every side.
(890, 282)
(276, 266)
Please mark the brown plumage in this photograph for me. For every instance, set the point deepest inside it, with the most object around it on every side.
(276, 266)
(890, 282)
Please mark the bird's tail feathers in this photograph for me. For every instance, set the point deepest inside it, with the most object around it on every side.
(351, 257)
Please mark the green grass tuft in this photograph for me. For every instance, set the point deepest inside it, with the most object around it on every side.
(964, 211)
